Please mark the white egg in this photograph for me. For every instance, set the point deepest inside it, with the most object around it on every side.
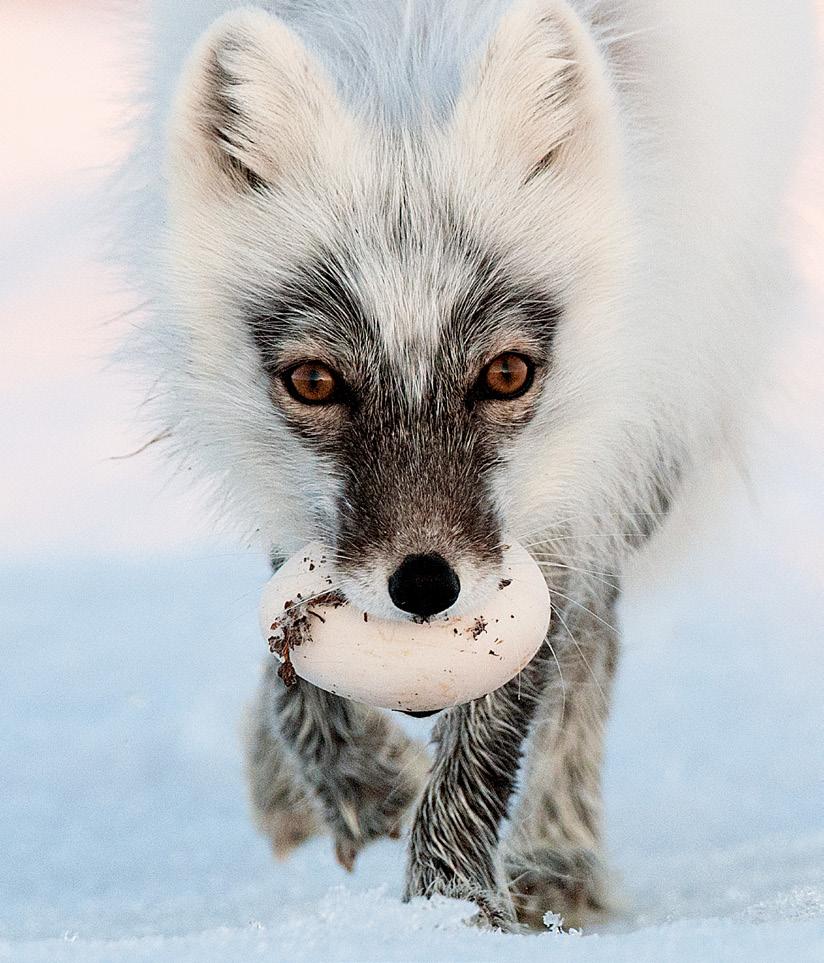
(401, 664)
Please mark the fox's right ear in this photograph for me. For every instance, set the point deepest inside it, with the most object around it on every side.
(253, 106)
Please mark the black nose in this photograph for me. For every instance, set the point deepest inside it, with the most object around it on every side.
(424, 585)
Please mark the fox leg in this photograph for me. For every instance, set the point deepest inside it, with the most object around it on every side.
(454, 843)
(553, 854)
(319, 762)
(285, 809)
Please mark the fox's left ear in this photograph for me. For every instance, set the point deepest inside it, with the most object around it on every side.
(253, 107)
(538, 99)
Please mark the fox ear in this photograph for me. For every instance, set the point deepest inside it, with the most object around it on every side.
(536, 95)
(253, 106)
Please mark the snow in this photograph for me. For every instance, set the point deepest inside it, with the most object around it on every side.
(129, 648)
(123, 822)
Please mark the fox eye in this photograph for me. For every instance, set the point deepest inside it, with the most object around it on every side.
(312, 383)
(506, 377)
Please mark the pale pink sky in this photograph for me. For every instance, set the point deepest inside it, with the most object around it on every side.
(64, 415)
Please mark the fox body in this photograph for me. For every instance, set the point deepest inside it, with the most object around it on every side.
(435, 274)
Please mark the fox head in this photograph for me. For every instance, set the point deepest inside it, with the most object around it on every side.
(401, 338)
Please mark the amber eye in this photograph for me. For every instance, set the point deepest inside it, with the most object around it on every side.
(507, 376)
(312, 383)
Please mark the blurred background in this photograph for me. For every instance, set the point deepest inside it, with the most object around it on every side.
(65, 109)
(127, 623)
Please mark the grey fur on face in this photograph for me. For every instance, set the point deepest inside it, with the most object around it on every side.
(413, 441)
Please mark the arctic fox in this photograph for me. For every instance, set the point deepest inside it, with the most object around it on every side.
(434, 274)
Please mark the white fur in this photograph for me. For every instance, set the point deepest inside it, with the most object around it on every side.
(659, 221)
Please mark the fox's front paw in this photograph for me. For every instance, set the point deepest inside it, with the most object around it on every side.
(287, 829)
(376, 797)
(360, 821)
(283, 806)
(571, 883)
(494, 908)
(494, 912)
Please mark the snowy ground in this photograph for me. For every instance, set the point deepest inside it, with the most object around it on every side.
(129, 647)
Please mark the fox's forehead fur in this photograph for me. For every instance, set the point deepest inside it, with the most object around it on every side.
(405, 279)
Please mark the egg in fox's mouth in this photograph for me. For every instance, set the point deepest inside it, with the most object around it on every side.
(418, 667)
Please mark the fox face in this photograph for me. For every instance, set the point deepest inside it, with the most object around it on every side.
(413, 430)
(384, 327)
